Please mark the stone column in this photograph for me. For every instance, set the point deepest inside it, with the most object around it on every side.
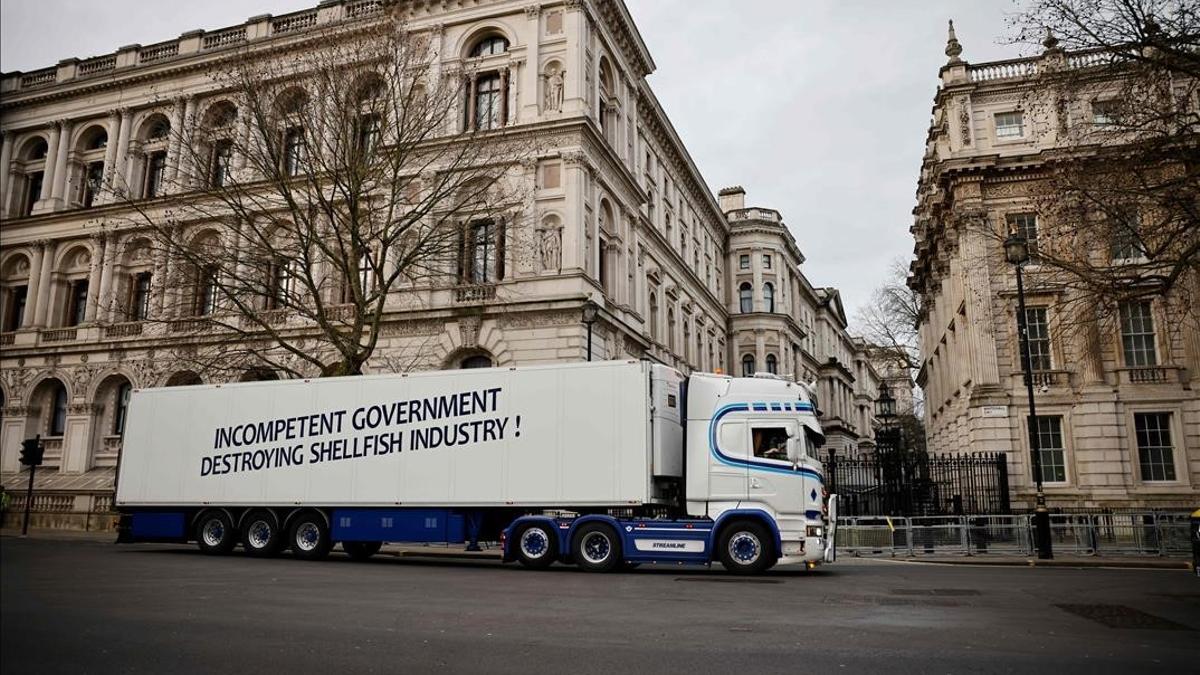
(6, 143)
(61, 170)
(43, 298)
(760, 351)
(110, 153)
(121, 176)
(93, 297)
(104, 292)
(176, 135)
(185, 149)
(529, 81)
(575, 27)
(48, 174)
(759, 303)
(35, 289)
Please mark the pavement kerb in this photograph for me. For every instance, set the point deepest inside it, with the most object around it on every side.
(1110, 563)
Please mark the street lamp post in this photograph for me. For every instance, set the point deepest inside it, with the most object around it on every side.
(885, 410)
(1016, 249)
(590, 311)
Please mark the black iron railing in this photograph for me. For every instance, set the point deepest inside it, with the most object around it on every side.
(896, 483)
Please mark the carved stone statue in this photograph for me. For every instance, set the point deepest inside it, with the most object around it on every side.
(554, 90)
(550, 248)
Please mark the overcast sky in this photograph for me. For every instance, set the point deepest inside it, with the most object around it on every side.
(818, 109)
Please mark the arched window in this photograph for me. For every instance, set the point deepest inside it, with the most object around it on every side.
(121, 408)
(489, 46)
(653, 316)
(58, 411)
(607, 113)
(671, 329)
(487, 92)
(219, 131)
(748, 365)
(477, 361)
(687, 340)
(772, 364)
(14, 291)
(31, 161)
(769, 296)
(90, 174)
(746, 298)
(184, 378)
(291, 105)
(155, 137)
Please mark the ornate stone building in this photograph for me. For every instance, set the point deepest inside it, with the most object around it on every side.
(781, 324)
(620, 214)
(1119, 415)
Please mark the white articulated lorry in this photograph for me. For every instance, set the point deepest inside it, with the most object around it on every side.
(595, 464)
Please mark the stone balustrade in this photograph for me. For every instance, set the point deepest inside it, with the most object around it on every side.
(287, 24)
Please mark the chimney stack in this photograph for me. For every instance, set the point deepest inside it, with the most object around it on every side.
(732, 198)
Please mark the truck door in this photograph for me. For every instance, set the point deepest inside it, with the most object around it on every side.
(729, 474)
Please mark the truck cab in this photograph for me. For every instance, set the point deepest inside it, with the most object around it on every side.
(751, 454)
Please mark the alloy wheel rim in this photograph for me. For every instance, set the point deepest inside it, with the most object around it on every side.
(307, 536)
(744, 547)
(596, 547)
(214, 532)
(259, 534)
(534, 543)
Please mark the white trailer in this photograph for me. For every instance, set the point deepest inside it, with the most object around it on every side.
(592, 463)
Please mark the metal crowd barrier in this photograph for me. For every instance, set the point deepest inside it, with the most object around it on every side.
(1131, 533)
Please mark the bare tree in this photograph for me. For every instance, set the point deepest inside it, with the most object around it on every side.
(324, 179)
(889, 321)
(1117, 99)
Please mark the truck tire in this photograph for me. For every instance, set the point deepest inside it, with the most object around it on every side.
(535, 545)
(596, 548)
(361, 550)
(309, 537)
(745, 547)
(215, 534)
(261, 535)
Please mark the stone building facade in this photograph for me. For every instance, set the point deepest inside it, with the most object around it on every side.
(781, 324)
(621, 213)
(1115, 431)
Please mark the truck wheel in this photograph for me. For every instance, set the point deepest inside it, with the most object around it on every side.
(597, 548)
(310, 537)
(745, 547)
(535, 544)
(215, 533)
(260, 534)
(361, 550)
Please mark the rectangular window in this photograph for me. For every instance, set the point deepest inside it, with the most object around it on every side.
(139, 302)
(295, 151)
(368, 135)
(156, 173)
(77, 307)
(206, 296)
(16, 308)
(1105, 113)
(93, 176)
(1127, 239)
(1137, 334)
(487, 102)
(1010, 125)
(1038, 330)
(1026, 225)
(1156, 456)
(766, 261)
(279, 284)
(33, 192)
(221, 163)
(1051, 450)
(122, 409)
(744, 262)
(483, 252)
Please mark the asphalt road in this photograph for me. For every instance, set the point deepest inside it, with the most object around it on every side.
(92, 607)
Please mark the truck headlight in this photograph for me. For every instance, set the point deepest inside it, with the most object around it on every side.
(816, 531)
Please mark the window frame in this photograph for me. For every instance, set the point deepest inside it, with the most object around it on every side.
(997, 126)
(1064, 424)
(746, 298)
(1171, 447)
(1045, 339)
(140, 290)
(121, 408)
(763, 425)
(1149, 338)
(57, 424)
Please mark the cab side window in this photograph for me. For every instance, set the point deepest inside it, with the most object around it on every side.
(770, 442)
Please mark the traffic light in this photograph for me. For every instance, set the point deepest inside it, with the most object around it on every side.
(31, 451)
